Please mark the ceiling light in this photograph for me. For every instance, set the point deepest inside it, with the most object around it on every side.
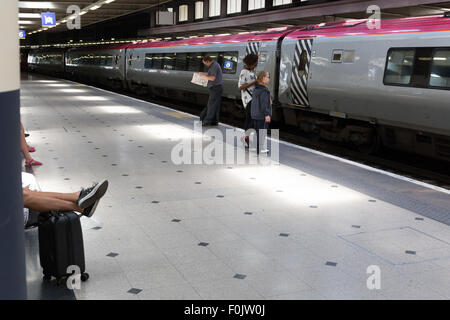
(109, 1)
(83, 12)
(30, 15)
(26, 22)
(37, 5)
(95, 7)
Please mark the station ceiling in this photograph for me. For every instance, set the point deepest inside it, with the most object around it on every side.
(118, 11)
(96, 11)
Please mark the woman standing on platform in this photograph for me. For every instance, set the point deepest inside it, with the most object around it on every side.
(247, 82)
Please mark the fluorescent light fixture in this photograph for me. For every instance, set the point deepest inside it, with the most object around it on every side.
(30, 15)
(26, 22)
(37, 5)
(95, 7)
(109, 1)
(83, 12)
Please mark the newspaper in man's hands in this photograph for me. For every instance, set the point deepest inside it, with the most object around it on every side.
(196, 79)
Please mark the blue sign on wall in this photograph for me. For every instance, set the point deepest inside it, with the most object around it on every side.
(48, 19)
(228, 64)
(22, 34)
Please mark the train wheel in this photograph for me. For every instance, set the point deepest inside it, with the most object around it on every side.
(372, 148)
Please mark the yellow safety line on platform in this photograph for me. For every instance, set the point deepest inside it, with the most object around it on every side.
(177, 115)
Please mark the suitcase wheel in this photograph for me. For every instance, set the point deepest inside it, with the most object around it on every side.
(84, 277)
(59, 281)
(47, 278)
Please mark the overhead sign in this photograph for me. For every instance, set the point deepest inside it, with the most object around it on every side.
(48, 19)
(22, 34)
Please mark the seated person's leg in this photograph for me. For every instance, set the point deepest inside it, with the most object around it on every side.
(44, 202)
(84, 201)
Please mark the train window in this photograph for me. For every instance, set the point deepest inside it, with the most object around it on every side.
(106, 61)
(440, 69)
(148, 60)
(230, 62)
(302, 64)
(399, 66)
(194, 61)
(213, 55)
(168, 61)
(157, 60)
(421, 70)
(180, 61)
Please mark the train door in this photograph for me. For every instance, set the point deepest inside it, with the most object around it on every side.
(129, 58)
(300, 72)
(127, 65)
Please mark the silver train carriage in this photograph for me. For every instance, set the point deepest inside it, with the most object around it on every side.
(344, 82)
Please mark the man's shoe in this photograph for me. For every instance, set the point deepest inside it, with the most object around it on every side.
(90, 195)
(89, 211)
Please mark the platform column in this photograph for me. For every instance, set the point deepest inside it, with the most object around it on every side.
(12, 251)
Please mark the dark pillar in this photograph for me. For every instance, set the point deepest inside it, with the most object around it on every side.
(152, 18)
(176, 10)
(12, 251)
(205, 9)
(268, 4)
(244, 6)
(223, 8)
(191, 11)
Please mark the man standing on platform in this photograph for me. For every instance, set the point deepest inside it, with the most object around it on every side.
(210, 114)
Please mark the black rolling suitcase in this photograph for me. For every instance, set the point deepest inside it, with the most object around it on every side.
(61, 245)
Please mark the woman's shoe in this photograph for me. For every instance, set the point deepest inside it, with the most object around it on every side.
(32, 162)
(31, 149)
(244, 140)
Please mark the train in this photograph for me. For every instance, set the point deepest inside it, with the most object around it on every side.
(346, 82)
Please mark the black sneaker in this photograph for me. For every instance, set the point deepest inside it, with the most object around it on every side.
(89, 211)
(89, 196)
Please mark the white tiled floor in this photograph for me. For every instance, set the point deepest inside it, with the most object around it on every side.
(163, 259)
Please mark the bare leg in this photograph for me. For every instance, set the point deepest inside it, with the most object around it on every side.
(72, 197)
(38, 201)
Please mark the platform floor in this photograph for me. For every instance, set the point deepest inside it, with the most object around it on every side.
(307, 228)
